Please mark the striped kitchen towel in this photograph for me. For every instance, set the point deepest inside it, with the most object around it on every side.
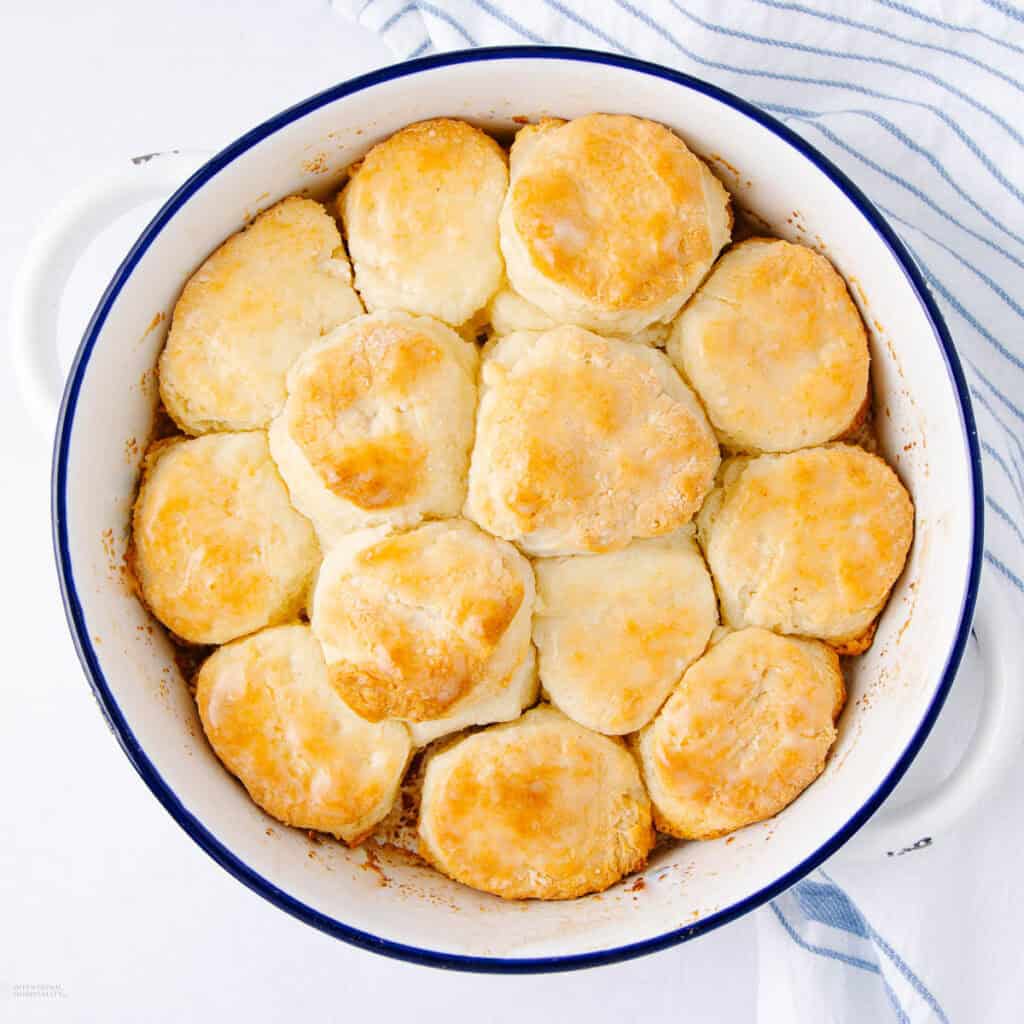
(920, 105)
(856, 975)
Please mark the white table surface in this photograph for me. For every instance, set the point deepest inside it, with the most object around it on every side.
(101, 893)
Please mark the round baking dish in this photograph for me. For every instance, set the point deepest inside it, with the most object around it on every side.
(925, 429)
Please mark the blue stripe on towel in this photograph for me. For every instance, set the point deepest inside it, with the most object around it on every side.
(948, 25)
(508, 21)
(1004, 570)
(1010, 434)
(1001, 463)
(1005, 516)
(995, 391)
(977, 271)
(829, 905)
(861, 927)
(444, 16)
(804, 80)
(1008, 9)
(905, 139)
(934, 282)
(839, 55)
(589, 26)
(901, 181)
(398, 16)
(835, 954)
(913, 980)
(875, 30)
(831, 954)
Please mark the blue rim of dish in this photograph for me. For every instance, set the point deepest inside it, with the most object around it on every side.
(116, 720)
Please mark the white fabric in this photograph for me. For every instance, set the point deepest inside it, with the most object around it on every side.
(920, 105)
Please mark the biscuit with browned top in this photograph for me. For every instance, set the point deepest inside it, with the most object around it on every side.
(305, 757)
(421, 219)
(584, 442)
(775, 347)
(610, 222)
(807, 543)
(259, 301)
(378, 424)
(539, 808)
(431, 626)
(219, 550)
(747, 729)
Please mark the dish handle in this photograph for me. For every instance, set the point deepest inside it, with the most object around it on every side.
(994, 749)
(51, 256)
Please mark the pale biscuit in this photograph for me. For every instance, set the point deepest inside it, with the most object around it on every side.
(584, 443)
(540, 808)
(421, 219)
(378, 424)
(508, 313)
(614, 632)
(808, 543)
(775, 347)
(248, 312)
(219, 550)
(305, 757)
(610, 222)
(431, 626)
(745, 732)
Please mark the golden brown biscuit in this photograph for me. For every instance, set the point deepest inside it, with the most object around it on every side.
(745, 732)
(540, 808)
(219, 550)
(378, 424)
(614, 632)
(808, 542)
(305, 757)
(421, 219)
(248, 312)
(584, 443)
(775, 347)
(430, 626)
(610, 222)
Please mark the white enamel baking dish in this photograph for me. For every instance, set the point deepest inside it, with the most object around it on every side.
(924, 422)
